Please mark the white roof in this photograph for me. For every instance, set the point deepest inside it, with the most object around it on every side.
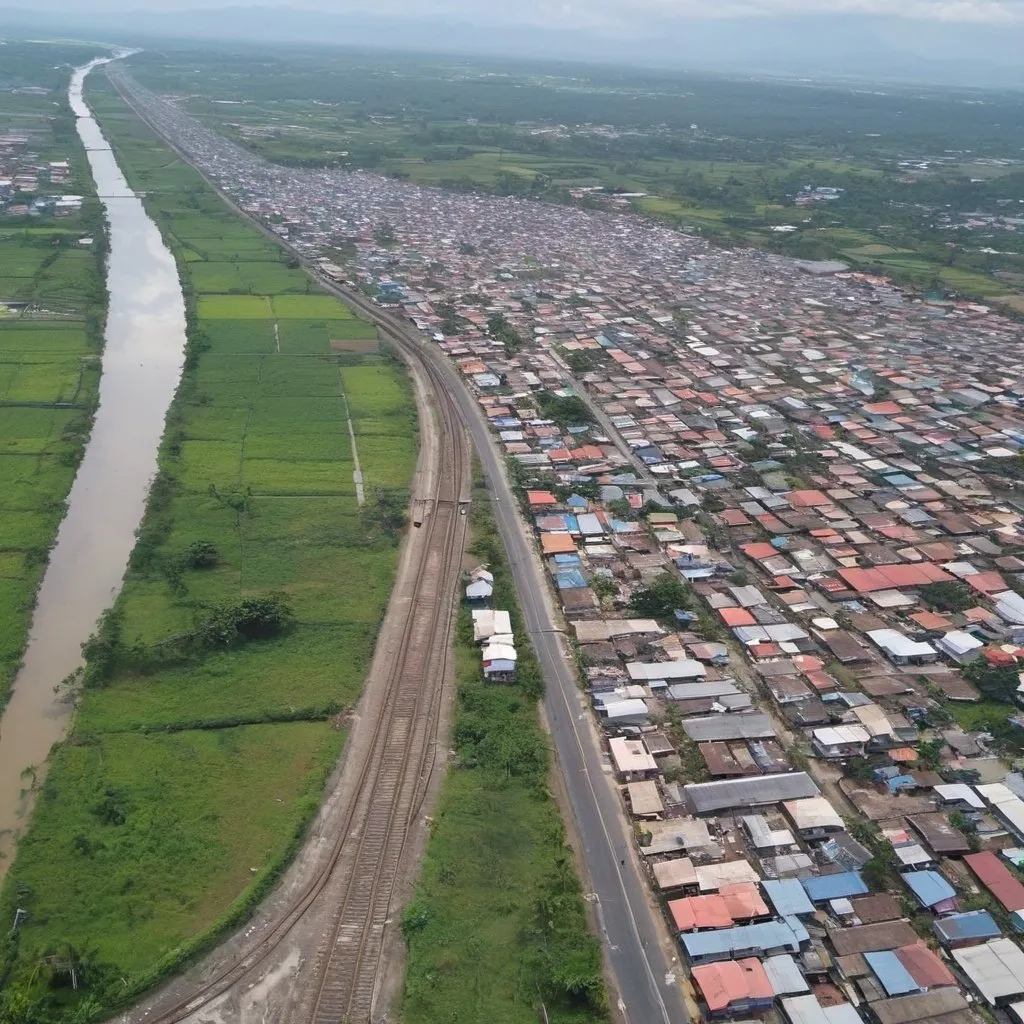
(831, 736)
(763, 836)
(874, 719)
(813, 812)
(712, 877)
(1010, 607)
(913, 854)
(590, 525)
(670, 874)
(958, 642)
(684, 669)
(807, 1010)
(498, 652)
(489, 621)
(784, 974)
(631, 755)
(1009, 806)
(893, 642)
(960, 791)
(628, 708)
(996, 968)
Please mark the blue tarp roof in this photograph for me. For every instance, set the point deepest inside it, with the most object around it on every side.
(570, 579)
(834, 887)
(577, 501)
(787, 896)
(726, 943)
(892, 975)
(898, 782)
(974, 924)
(929, 887)
(566, 559)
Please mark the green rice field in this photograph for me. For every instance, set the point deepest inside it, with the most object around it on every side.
(188, 778)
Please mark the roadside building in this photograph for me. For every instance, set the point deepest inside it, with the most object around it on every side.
(735, 986)
(632, 761)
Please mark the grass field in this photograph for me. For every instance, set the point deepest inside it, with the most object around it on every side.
(190, 772)
(49, 361)
(497, 926)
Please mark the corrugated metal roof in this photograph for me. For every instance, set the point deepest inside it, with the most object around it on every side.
(834, 887)
(921, 1008)
(974, 924)
(729, 727)
(996, 968)
(707, 797)
(891, 974)
(807, 1010)
(734, 981)
(997, 878)
(728, 943)
(929, 887)
(884, 935)
(787, 896)
(785, 975)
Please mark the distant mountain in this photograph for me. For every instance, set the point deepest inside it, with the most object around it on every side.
(821, 45)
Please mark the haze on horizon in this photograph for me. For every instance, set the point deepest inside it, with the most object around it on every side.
(957, 42)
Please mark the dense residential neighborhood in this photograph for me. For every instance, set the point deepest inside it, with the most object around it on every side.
(781, 507)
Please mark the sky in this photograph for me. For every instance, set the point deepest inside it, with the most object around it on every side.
(607, 14)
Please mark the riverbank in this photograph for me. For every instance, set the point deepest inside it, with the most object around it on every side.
(497, 929)
(214, 693)
(53, 311)
(53, 304)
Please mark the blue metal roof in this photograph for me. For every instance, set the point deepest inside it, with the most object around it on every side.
(891, 974)
(974, 924)
(929, 887)
(727, 943)
(570, 579)
(787, 896)
(834, 887)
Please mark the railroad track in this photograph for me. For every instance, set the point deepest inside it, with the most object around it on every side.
(358, 876)
(361, 871)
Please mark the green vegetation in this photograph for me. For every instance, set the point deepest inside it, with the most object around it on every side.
(949, 596)
(497, 927)
(565, 410)
(727, 158)
(661, 599)
(52, 313)
(994, 682)
(207, 722)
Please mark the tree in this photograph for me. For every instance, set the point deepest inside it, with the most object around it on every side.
(565, 410)
(948, 596)
(929, 752)
(995, 682)
(660, 600)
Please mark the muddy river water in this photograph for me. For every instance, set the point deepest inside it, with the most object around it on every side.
(142, 361)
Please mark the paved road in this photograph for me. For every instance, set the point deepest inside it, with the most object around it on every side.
(648, 991)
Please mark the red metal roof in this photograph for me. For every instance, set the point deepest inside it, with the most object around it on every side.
(997, 878)
(737, 617)
(732, 981)
(924, 966)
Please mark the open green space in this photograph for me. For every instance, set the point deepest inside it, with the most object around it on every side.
(497, 929)
(51, 337)
(198, 754)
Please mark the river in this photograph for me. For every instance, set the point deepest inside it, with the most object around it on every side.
(142, 362)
